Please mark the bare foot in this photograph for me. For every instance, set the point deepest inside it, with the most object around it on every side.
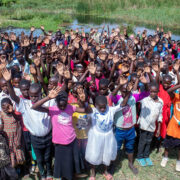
(133, 169)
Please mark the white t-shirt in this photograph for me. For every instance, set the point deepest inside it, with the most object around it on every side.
(38, 123)
(17, 92)
(151, 112)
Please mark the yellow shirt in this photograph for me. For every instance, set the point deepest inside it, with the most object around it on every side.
(81, 124)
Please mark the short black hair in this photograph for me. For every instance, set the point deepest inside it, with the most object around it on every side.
(167, 76)
(62, 96)
(154, 84)
(16, 75)
(24, 82)
(35, 87)
(6, 100)
(104, 82)
(101, 100)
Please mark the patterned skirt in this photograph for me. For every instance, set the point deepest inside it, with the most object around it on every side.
(16, 154)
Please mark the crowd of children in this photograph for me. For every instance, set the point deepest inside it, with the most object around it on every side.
(77, 97)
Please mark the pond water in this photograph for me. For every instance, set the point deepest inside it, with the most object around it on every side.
(80, 23)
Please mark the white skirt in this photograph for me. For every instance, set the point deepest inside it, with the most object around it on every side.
(101, 147)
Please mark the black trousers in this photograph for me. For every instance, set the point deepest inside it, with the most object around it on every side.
(145, 140)
(43, 150)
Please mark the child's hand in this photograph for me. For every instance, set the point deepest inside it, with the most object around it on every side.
(39, 40)
(136, 41)
(12, 37)
(6, 74)
(26, 42)
(63, 58)
(10, 109)
(2, 66)
(123, 80)
(46, 40)
(39, 53)
(27, 77)
(67, 74)
(82, 97)
(153, 43)
(76, 44)
(53, 48)
(84, 46)
(102, 56)
(157, 133)
(42, 28)
(32, 29)
(133, 58)
(60, 69)
(61, 46)
(32, 70)
(129, 86)
(54, 92)
(155, 67)
(157, 29)
(147, 69)
(125, 68)
(73, 36)
(80, 90)
(176, 66)
(143, 79)
(115, 58)
(91, 55)
(6, 37)
(37, 61)
(161, 64)
(92, 68)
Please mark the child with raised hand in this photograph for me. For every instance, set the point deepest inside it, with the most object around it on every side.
(102, 147)
(39, 128)
(11, 126)
(164, 95)
(67, 159)
(126, 119)
(151, 112)
(172, 139)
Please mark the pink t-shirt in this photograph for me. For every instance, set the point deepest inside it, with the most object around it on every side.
(62, 128)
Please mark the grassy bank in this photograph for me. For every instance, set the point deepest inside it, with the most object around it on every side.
(155, 172)
(53, 13)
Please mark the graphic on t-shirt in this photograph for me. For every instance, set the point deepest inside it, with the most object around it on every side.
(82, 122)
(127, 114)
(64, 118)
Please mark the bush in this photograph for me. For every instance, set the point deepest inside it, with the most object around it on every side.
(7, 2)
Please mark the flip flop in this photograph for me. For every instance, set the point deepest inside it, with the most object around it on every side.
(92, 178)
(108, 176)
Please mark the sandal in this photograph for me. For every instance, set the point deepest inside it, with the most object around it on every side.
(108, 176)
(92, 178)
(49, 178)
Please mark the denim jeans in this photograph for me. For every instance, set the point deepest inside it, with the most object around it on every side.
(43, 150)
(145, 140)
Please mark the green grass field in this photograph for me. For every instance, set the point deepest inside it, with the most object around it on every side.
(155, 172)
(53, 13)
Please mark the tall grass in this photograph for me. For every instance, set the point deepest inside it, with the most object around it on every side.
(108, 6)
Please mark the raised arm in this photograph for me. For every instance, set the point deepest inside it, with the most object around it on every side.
(176, 68)
(7, 76)
(52, 94)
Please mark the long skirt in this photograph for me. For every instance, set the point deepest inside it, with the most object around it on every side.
(67, 160)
